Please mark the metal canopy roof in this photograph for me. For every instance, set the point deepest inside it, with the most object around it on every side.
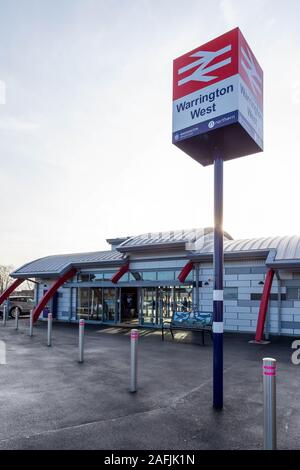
(284, 249)
(167, 240)
(287, 247)
(53, 266)
(281, 251)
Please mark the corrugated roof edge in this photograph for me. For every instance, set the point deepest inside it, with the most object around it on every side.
(160, 243)
(21, 272)
(230, 255)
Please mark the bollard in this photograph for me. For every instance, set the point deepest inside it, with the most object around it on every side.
(31, 323)
(17, 318)
(269, 385)
(49, 339)
(134, 336)
(81, 339)
(4, 315)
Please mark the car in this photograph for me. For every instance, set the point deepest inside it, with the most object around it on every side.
(21, 303)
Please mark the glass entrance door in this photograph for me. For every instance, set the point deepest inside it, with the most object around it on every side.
(149, 306)
(165, 302)
(89, 303)
(96, 306)
(96, 303)
(109, 304)
(129, 305)
(183, 298)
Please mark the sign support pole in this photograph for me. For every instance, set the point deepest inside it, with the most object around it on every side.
(218, 283)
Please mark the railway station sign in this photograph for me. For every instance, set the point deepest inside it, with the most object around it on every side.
(218, 100)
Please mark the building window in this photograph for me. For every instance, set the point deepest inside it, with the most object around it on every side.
(149, 306)
(96, 303)
(255, 296)
(149, 275)
(107, 276)
(109, 304)
(230, 293)
(160, 303)
(183, 301)
(293, 293)
(189, 277)
(83, 302)
(165, 275)
(165, 301)
(97, 277)
(273, 296)
(83, 277)
(100, 277)
(135, 276)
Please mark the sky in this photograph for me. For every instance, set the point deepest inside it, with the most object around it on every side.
(85, 127)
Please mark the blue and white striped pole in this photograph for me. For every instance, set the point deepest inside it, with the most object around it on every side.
(218, 284)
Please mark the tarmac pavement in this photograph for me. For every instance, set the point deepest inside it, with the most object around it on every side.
(50, 401)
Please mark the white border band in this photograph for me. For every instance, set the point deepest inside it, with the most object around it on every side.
(218, 295)
(218, 327)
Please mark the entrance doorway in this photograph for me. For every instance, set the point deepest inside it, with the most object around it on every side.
(129, 305)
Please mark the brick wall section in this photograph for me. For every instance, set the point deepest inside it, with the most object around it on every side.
(241, 314)
(63, 311)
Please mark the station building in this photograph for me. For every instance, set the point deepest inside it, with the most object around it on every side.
(142, 280)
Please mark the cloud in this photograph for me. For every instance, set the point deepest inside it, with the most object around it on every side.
(296, 92)
(2, 92)
(17, 125)
(229, 12)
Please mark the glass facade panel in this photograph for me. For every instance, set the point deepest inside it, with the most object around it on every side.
(135, 276)
(160, 303)
(107, 276)
(292, 293)
(149, 275)
(165, 302)
(97, 277)
(189, 278)
(109, 304)
(165, 275)
(183, 298)
(149, 306)
(230, 293)
(96, 303)
(83, 302)
(83, 277)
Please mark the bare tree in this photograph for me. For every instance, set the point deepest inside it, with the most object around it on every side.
(28, 285)
(5, 279)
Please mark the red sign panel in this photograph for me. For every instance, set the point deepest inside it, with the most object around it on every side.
(206, 65)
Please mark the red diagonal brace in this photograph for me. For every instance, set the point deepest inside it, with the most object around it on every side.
(10, 289)
(116, 277)
(185, 271)
(264, 305)
(50, 293)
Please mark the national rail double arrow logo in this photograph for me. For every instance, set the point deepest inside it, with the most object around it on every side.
(204, 59)
(248, 65)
